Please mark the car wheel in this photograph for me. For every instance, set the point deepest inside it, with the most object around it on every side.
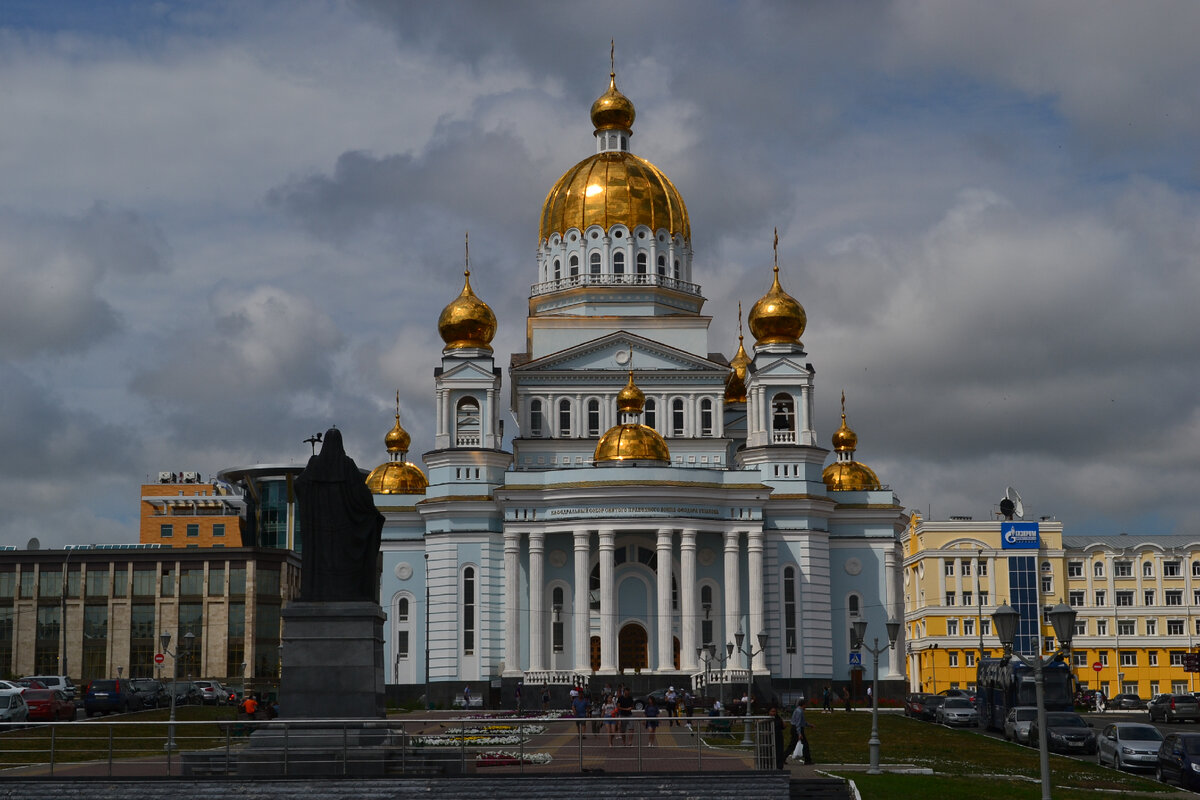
(1159, 775)
(1099, 757)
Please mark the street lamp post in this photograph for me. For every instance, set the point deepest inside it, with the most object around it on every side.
(1062, 618)
(750, 652)
(860, 631)
(164, 639)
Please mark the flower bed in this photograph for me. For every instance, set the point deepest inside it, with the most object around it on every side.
(465, 741)
(507, 758)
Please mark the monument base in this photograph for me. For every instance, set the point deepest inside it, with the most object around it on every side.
(332, 661)
(319, 749)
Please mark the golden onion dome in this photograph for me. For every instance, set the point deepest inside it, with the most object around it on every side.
(397, 439)
(777, 317)
(735, 381)
(844, 438)
(397, 477)
(612, 110)
(467, 321)
(631, 399)
(632, 442)
(846, 476)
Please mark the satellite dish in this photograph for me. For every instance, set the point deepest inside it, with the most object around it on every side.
(33, 544)
(1011, 496)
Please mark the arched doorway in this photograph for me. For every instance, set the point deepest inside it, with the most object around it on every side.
(595, 654)
(631, 647)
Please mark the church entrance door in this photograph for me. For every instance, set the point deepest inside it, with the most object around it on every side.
(631, 648)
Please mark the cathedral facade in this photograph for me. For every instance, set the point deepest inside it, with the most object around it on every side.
(660, 502)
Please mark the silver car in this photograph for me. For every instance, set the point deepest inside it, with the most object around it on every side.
(1016, 724)
(12, 706)
(1129, 745)
(957, 711)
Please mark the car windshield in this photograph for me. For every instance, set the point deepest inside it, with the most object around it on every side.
(1026, 714)
(1140, 733)
(6, 701)
(934, 701)
(1065, 721)
(957, 702)
(102, 686)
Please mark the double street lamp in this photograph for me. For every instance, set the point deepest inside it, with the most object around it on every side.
(708, 654)
(750, 652)
(1062, 618)
(860, 632)
(164, 639)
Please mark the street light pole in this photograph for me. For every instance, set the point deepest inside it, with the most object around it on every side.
(1062, 618)
(860, 631)
(750, 652)
(164, 639)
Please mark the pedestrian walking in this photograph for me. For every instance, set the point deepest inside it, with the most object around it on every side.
(579, 707)
(671, 700)
(651, 712)
(827, 699)
(625, 713)
(610, 718)
(777, 729)
(799, 724)
(467, 697)
(846, 697)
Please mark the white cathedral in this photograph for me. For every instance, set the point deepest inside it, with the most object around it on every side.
(660, 502)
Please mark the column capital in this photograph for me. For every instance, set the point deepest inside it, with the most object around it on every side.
(537, 540)
(687, 539)
(582, 538)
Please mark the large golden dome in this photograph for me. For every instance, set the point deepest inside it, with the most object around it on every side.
(467, 321)
(777, 317)
(846, 476)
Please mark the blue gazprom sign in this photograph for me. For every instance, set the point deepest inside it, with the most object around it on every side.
(1019, 535)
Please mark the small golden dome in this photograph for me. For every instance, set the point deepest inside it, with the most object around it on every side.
(612, 110)
(631, 399)
(397, 477)
(844, 438)
(777, 317)
(397, 439)
(632, 442)
(735, 381)
(846, 476)
(467, 321)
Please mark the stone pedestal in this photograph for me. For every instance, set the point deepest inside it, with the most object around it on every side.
(332, 661)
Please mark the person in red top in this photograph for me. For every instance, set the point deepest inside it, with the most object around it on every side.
(250, 706)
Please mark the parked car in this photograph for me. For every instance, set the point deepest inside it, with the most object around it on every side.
(930, 707)
(49, 705)
(152, 693)
(12, 706)
(1067, 733)
(1128, 745)
(1174, 707)
(914, 704)
(1017, 722)
(31, 683)
(212, 692)
(1126, 702)
(61, 682)
(1179, 760)
(110, 696)
(185, 693)
(967, 693)
(957, 711)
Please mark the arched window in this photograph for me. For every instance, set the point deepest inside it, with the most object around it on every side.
(662, 265)
(649, 415)
(852, 605)
(1148, 569)
(706, 417)
(593, 417)
(468, 609)
(536, 420)
(677, 269)
(783, 418)
(574, 264)
(1098, 569)
(619, 262)
(467, 423)
(556, 622)
(641, 263)
(557, 269)
(789, 609)
(595, 261)
(677, 417)
(402, 610)
(564, 418)
(1196, 569)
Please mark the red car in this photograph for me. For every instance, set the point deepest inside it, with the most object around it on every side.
(49, 705)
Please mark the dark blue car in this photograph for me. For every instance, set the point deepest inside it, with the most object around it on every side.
(111, 696)
(1179, 760)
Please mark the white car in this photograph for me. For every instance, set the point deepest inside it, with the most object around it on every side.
(1016, 724)
(957, 711)
(1127, 745)
(12, 706)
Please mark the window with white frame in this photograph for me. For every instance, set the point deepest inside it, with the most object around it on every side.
(985, 625)
(1171, 569)
(968, 627)
(1174, 627)
(1100, 598)
(1196, 597)
(468, 610)
(1147, 569)
(1173, 597)
(1179, 687)
(1198, 627)
(1080, 627)
(1102, 657)
(1074, 569)
(564, 418)
(1176, 657)
(982, 568)
(965, 566)
(1102, 627)
(1124, 598)
(948, 567)
(789, 609)
(952, 627)
(1196, 569)
(983, 598)
(1047, 584)
(706, 417)
(1151, 626)
(1148, 597)
(536, 420)
(1047, 567)
(558, 597)
(1126, 627)
(970, 657)
(950, 598)
(952, 657)
(968, 599)
(1098, 569)
(677, 417)
(1079, 659)
(1152, 658)
(1075, 598)
(1122, 569)
(1048, 644)
(650, 413)
(593, 417)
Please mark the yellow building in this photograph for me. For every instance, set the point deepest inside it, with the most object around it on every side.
(1135, 596)
(181, 511)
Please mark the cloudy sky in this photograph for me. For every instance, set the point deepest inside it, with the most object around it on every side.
(226, 225)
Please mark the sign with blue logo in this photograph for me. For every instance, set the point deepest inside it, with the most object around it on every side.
(1018, 535)
(856, 659)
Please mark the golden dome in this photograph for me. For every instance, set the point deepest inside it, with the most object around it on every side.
(632, 442)
(844, 438)
(467, 321)
(397, 477)
(614, 188)
(777, 317)
(612, 110)
(735, 381)
(631, 399)
(846, 476)
(397, 439)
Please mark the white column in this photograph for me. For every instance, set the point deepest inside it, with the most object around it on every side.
(733, 590)
(687, 601)
(893, 608)
(666, 655)
(754, 582)
(582, 606)
(512, 602)
(608, 605)
(537, 579)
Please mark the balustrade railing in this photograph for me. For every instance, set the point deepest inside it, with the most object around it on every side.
(611, 279)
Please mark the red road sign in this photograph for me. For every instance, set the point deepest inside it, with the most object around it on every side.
(1096, 665)
(159, 658)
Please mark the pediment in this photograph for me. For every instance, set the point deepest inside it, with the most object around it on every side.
(780, 367)
(610, 352)
(468, 370)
